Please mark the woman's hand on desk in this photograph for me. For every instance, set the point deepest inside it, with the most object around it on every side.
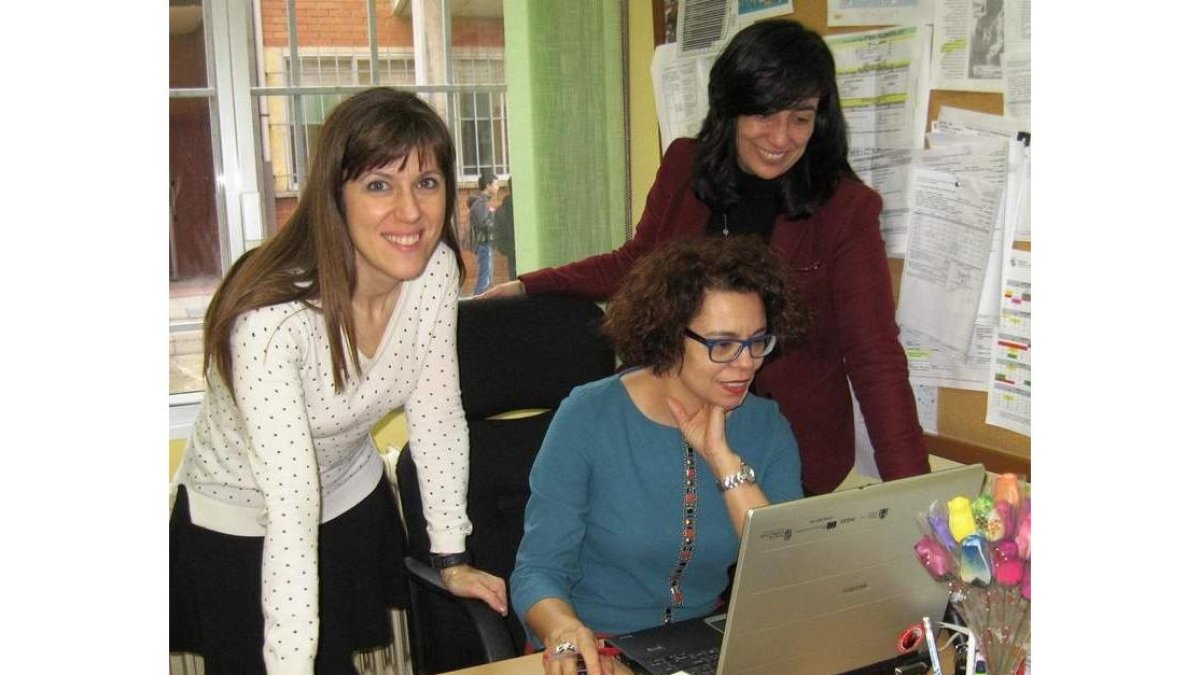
(586, 657)
(467, 582)
(569, 643)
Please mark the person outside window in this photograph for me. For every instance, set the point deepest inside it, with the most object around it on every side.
(483, 228)
(505, 239)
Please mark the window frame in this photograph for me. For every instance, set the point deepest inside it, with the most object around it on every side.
(224, 22)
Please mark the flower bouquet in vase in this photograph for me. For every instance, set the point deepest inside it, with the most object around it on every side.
(979, 547)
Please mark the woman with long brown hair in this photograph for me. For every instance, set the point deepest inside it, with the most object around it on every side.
(286, 544)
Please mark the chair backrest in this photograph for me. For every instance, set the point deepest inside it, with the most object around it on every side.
(514, 354)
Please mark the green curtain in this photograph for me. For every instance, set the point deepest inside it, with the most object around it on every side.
(566, 128)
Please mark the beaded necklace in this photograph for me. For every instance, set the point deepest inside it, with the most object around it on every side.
(691, 500)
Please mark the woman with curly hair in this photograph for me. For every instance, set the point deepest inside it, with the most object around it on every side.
(649, 473)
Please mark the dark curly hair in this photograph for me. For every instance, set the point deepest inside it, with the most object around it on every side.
(767, 67)
(665, 290)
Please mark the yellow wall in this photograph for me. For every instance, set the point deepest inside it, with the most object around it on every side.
(644, 152)
(175, 455)
(392, 431)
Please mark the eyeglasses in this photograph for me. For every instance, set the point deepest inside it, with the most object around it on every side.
(724, 350)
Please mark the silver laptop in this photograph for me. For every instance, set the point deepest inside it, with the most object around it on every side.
(824, 585)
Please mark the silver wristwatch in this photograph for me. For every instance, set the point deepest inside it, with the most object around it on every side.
(744, 476)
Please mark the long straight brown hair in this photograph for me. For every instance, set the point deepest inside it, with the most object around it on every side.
(312, 258)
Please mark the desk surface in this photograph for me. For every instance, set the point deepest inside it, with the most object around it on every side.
(523, 665)
(531, 664)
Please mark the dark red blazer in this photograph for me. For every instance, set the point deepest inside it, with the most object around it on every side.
(841, 268)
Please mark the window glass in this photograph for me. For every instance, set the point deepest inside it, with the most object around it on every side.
(195, 227)
(306, 56)
(188, 66)
(479, 123)
(195, 254)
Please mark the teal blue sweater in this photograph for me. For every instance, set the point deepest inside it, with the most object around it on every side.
(604, 524)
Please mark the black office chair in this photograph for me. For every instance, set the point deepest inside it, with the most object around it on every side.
(514, 354)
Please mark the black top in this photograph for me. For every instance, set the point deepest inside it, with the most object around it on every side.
(755, 214)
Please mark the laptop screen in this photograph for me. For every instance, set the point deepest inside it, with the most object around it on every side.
(828, 583)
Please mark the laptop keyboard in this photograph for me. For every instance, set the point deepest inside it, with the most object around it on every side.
(703, 662)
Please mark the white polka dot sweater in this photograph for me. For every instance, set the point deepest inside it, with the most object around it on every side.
(292, 453)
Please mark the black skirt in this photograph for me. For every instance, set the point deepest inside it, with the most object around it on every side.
(216, 587)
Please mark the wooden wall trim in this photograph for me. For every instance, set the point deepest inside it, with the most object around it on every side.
(660, 23)
(994, 460)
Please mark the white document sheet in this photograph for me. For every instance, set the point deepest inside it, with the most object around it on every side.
(1023, 229)
(1018, 92)
(950, 240)
(1010, 375)
(879, 12)
(1004, 163)
(888, 172)
(998, 162)
(680, 91)
(955, 123)
(864, 452)
(1008, 166)
(934, 364)
(883, 84)
(931, 362)
(1018, 86)
(968, 45)
(706, 25)
(679, 70)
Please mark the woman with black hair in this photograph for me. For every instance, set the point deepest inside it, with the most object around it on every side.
(771, 160)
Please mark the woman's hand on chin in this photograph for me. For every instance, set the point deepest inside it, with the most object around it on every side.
(704, 430)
